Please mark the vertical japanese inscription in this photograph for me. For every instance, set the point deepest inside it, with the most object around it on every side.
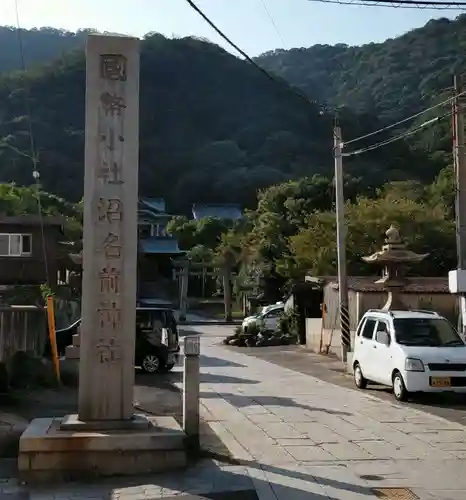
(109, 315)
(108, 351)
(112, 103)
(113, 69)
(110, 210)
(110, 280)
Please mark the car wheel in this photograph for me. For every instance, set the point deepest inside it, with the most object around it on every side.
(359, 380)
(399, 389)
(166, 368)
(151, 363)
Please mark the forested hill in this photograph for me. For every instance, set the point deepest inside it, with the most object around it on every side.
(391, 79)
(213, 129)
(40, 46)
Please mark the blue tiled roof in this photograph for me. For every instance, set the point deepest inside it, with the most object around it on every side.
(153, 204)
(229, 212)
(159, 245)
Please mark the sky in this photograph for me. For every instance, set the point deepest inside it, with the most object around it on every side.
(291, 23)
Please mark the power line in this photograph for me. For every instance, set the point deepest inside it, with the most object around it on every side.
(272, 20)
(397, 137)
(404, 120)
(403, 4)
(33, 156)
(280, 82)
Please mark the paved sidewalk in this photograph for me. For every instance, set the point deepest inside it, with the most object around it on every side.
(297, 437)
(310, 435)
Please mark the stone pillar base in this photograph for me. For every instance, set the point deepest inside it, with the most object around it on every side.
(47, 453)
(138, 422)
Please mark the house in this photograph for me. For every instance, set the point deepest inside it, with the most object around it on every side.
(156, 253)
(220, 211)
(30, 249)
(152, 217)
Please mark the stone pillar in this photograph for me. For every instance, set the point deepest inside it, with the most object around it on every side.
(191, 382)
(106, 372)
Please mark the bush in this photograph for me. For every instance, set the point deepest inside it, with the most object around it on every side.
(288, 324)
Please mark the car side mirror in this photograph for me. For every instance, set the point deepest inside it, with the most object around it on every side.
(383, 338)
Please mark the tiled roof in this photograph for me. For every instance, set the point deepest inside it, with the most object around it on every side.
(153, 204)
(415, 284)
(32, 220)
(228, 212)
(159, 245)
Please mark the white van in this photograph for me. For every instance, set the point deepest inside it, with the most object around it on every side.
(411, 351)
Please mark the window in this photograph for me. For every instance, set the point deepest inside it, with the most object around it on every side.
(368, 328)
(435, 332)
(382, 328)
(15, 245)
(274, 313)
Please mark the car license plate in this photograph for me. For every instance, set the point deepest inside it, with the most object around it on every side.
(440, 382)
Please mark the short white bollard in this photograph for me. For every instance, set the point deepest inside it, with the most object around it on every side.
(191, 382)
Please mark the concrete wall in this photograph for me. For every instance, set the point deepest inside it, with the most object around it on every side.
(359, 302)
(318, 338)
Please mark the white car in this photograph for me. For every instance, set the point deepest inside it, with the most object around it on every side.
(411, 351)
(268, 317)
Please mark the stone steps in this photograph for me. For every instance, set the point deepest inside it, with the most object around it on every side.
(72, 351)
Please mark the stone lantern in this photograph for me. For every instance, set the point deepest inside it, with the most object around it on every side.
(394, 257)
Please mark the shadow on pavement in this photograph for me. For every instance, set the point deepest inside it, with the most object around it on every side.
(240, 401)
(208, 378)
(213, 479)
(210, 361)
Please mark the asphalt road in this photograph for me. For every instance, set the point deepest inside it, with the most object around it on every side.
(449, 406)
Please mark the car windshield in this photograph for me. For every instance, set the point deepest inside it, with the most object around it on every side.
(432, 332)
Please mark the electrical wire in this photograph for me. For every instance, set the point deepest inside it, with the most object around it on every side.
(249, 59)
(272, 20)
(409, 118)
(33, 156)
(401, 4)
(397, 137)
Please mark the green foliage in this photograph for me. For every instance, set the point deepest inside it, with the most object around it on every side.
(393, 79)
(221, 132)
(206, 232)
(288, 324)
(219, 129)
(427, 229)
(46, 291)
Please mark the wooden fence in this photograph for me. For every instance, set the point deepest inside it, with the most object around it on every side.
(22, 328)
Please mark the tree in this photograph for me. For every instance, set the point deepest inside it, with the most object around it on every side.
(205, 233)
(426, 230)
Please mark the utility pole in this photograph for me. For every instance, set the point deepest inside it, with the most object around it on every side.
(460, 208)
(341, 246)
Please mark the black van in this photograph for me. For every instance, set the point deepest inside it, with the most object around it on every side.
(153, 352)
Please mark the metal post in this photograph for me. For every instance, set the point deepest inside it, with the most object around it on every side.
(341, 246)
(191, 393)
(460, 173)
